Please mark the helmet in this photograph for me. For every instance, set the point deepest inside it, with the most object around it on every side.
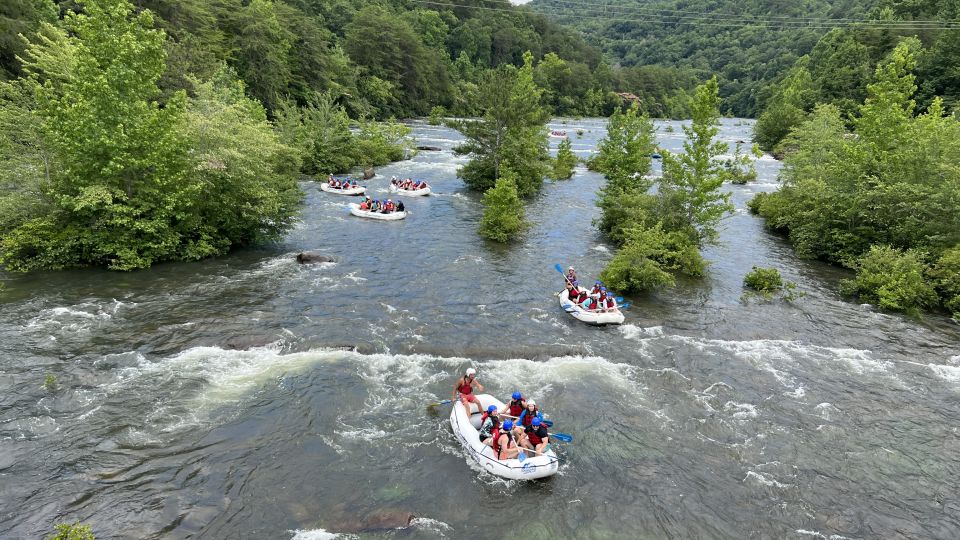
(596, 283)
(517, 395)
(603, 289)
(389, 200)
(535, 422)
(508, 425)
(570, 269)
(491, 409)
(531, 402)
(471, 371)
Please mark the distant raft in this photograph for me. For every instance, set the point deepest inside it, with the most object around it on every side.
(466, 428)
(597, 318)
(558, 133)
(392, 216)
(359, 190)
(411, 192)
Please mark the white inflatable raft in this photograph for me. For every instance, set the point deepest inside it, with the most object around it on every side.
(411, 192)
(359, 190)
(466, 430)
(392, 216)
(589, 317)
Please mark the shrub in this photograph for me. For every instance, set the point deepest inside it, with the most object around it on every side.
(72, 532)
(891, 279)
(945, 276)
(379, 143)
(650, 257)
(503, 213)
(766, 280)
(565, 161)
(436, 115)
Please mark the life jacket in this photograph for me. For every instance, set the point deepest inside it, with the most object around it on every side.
(573, 294)
(534, 436)
(465, 388)
(496, 441)
(596, 290)
(582, 298)
(528, 418)
(602, 300)
(516, 407)
(390, 207)
(611, 303)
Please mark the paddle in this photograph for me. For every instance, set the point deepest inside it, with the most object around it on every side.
(562, 437)
(548, 423)
(560, 269)
(444, 402)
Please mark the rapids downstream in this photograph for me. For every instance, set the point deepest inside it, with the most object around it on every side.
(253, 397)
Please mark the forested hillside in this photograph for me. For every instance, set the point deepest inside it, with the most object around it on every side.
(748, 45)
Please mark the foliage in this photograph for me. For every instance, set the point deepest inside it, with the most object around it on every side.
(49, 382)
(767, 282)
(379, 143)
(891, 279)
(690, 187)
(122, 181)
(649, 259)
(565, 161)
(320, 131)
(624, 154)
(945, 277)
(76, 531)
(20, 17)
(740, 168)
(436, 115)
(511, 133)
(503, 213)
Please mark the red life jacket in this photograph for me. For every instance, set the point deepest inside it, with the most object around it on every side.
(516, 408)
(465, 388)
(528, 418)
(583, 297)
(496, 441)
(610, 303)
(535, 437)
(596, 289)
(573, 294)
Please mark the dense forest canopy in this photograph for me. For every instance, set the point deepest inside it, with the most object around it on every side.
(748, 45)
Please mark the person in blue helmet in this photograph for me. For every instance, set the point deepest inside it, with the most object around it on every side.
(596, 288)
(489, 423)
(537, 436)
(516, 405)
(505, 445)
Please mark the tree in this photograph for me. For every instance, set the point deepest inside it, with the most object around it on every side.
(691, 181)
(503, 214)
(20, 17)
(320, 131)
(511, 133)
(262, 47)
(565, 161)
(122, 181)
(649, 259)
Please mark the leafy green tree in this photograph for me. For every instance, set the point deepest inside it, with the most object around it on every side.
(262, 47)
(565, 161)
(503, 213)
(379, 143)
(248, 176)
(649, 259)
(122, 172)
(891, 279)
(945, 276)
(20, 17)
(511, 133)
(321, 133)
(691, 181)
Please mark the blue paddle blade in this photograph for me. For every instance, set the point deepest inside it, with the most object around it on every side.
(522, 456)
(548, 423)
(558, 267)
(624, 306)
(619, 299)
(444, 402)
(563, 437)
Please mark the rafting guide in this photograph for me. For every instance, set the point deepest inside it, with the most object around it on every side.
(463, 390)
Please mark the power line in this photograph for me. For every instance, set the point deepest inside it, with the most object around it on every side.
(603, 13)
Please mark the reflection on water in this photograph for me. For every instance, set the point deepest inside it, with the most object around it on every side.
(250, 396)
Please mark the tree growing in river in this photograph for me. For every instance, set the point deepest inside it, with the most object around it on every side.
(512, 132)
(503, 213)
(122, 181)
(565, 161)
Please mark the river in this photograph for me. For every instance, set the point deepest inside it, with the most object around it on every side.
(252, 397)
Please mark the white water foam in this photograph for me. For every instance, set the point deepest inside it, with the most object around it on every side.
(632, 331)
(764, 480)
(434, 525)
(818, 534)
(741, 411)
(315, 534)
(947, 373)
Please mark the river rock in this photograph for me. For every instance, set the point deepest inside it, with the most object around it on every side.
(307, 257)
(430, 148)
(379, 521)
(369, 173)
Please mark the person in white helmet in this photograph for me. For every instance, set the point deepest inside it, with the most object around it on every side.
(572, 276)
(463, 391)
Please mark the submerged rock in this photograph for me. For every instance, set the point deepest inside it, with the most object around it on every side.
(307, 257)
(379, 521)
(369, 173)
(430, 148)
